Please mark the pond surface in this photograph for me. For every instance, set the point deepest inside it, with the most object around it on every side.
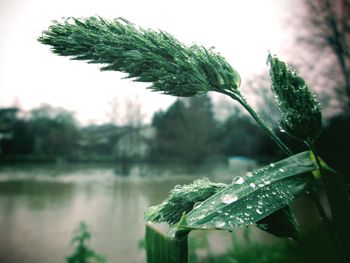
(40, 206)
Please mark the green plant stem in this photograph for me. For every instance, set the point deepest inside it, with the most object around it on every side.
(160, 248)
(316, 199)
(260, 122)
(288, 152)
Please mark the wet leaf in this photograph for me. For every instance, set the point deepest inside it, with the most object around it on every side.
(253, 197)
(181, 200)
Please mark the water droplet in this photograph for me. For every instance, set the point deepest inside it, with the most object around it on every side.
(200, 217)
(272, 165)
(266, 182)
(197, 205)
(260, 202)
(252, 185)
(249, 206)
(281, 170)
(260, 185)
(240, 220)
(258, 211)
(249, 174)
(228, 198)
(239, 180)
(220, 224)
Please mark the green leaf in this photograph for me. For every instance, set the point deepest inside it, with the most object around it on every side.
(181, 200)
(253, 197)
(339, 204)
(161, 248)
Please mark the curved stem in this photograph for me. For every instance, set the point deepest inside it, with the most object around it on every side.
(261, 123)
(328, 224)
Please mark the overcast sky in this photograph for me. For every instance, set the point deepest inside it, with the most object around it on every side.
(241, 30)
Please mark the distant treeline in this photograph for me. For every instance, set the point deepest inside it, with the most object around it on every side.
(186, 132)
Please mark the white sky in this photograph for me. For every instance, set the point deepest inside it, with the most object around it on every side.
(241, 30)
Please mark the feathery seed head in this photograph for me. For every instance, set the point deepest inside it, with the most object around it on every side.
(181, 200)
(301, 112)
(144, 55)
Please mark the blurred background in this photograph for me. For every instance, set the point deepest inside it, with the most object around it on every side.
(80, 145)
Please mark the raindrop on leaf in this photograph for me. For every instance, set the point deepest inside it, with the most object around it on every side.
(258, 211)
(252, 185)
(228, 198)
(197, 205)
(220, 224)
(239, 180)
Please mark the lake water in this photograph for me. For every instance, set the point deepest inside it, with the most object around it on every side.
(40, 206)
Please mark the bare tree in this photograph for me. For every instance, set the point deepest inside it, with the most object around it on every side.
(133, 116)
(328, 30)
(127, 113)
(113, 111)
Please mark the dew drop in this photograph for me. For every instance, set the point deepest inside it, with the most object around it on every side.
(281, 170)
(240, 220)
(220, 224)
(197, 205)
(200, 217)
(249, 206)
(258, 211)
(260, 202)
(177, 187)
(266, 182)
(272, 165)
(249, 174)
(252, 185)
(239, 180)
(228, 198)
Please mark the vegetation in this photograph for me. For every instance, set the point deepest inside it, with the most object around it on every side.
(50, 134)
(82, 253)
(327, 31)
(261, 197)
